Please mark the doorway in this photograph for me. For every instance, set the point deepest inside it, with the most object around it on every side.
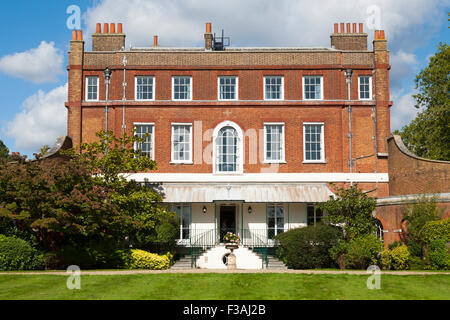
(227, 220)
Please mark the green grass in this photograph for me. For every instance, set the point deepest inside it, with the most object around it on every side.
(224, 286)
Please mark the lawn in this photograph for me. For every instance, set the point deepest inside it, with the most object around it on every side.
(224, 287)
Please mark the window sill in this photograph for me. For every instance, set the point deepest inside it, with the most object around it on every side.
(274, 162)
(181, 162)
(314, 162)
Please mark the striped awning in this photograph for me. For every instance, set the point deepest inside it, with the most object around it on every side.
(204, 193)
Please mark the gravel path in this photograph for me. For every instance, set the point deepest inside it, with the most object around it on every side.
(132, 272)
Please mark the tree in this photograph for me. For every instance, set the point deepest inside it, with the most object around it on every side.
(4, 151)
(352, 209)
(428, 135)
(150, 226)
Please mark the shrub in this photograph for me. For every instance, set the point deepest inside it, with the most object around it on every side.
(438, 257)
(306, 248)
(435, 230)
(140, 259)
(385, 260)
(17, 254)
(399, 257)
(416, 263)
(358, 253)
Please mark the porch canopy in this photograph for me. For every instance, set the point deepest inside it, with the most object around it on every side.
(204, 193)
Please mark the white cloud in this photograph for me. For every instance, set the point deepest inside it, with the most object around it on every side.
(39, 65)
(403, 66)
(265, 22)
(403, 110)
(43, 118)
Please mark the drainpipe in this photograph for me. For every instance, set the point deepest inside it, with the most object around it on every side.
(124, 97)
(107, 75)
(348, 74)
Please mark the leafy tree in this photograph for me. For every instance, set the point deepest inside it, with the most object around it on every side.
(352, 209)
(428, 135)
(110, 159)
(4, 151)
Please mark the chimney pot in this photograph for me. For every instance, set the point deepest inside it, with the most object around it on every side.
(105, 28)
(377, 35)
(112, 28)
(360, 28)
(119, 28)
(208, 27)
(354, 28)
(80, 35)
(382, 34)
(155, 41)
(342, 27)
(74, 34)
(336, 28)
(348, 27)
(99, 28)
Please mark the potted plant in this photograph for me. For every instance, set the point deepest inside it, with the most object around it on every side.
(231, 240)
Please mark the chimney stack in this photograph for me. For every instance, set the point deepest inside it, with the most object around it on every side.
(347, 37)
(109, 39)
(208, 37)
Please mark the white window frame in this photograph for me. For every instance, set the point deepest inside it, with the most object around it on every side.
(321, 87)
(180, 240)
(190, 87)
(136, 86)
(282, 88)
(370, 87)
(322, 142)
(310, 205)
(152, 156)
(240, 148)
(188, 161)
(283, 149)
(236, 88)
(276, 205)
(87, 88)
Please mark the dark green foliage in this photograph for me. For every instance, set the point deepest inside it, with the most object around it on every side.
(438, 256)
(353, 209)
(307, 248)
(17, 254)
(4, 151)
(428, 135)
(358, 253)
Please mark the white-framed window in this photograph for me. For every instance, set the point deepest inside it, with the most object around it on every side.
(92, 88)
(144, 88)
(313, 142)
(275, 220)
(313, 88)
(365, 87)
(228, 88)
(274, 142)
(182, 88)
(183, 212)
(313, 215)
(273, 88)
(147, 131)
(228, 153)
(182, 142)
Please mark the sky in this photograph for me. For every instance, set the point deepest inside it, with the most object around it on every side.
(36, 35)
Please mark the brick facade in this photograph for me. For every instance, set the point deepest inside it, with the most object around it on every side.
(251, 111)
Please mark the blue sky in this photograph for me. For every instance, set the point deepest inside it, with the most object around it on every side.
(36, 39)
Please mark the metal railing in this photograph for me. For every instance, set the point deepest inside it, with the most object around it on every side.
(259, 240)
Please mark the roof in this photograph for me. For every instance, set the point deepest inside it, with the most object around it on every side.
(251, 193)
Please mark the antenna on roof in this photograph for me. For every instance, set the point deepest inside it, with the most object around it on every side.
(219, 43)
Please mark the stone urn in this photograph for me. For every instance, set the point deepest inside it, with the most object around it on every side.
(231, 265)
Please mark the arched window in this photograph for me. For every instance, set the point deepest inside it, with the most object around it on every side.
(379, 229)
(228, 148)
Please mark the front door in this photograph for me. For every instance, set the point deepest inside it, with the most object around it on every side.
(227, 220)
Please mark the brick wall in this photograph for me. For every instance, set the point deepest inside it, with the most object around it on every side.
(409, 174)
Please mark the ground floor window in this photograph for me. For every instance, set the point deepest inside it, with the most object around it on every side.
(314, 215)
(275, 220)
(183, 211)
(379, 230)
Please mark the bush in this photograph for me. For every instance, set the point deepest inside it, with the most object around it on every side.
(385, 260)
(140, 259)
(399, 257)
(17, 254)
(435, 230)
(358, 253)
(416, 263)
(438, 257)
(306, 248)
